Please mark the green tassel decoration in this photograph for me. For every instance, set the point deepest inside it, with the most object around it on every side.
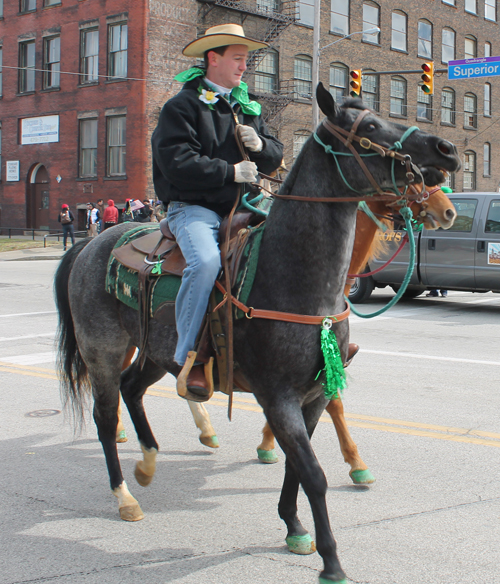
(334, 368)
(156, 271)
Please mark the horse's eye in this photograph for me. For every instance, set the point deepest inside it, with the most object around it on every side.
(370, 127)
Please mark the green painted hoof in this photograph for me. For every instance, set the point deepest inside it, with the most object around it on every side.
(210, 441)
(325, 581)
(301, 544)
(121, 436)
(362, 477)
(267, 456)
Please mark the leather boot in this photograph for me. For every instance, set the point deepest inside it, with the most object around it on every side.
(197, 383)
(353, 349)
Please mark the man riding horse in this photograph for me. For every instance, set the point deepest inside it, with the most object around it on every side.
(198, 168)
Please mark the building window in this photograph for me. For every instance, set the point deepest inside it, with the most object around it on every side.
(118, 50)
(471, 6)
(370, 91)
(450, 2)
(52, 63)
(116, 145)
(424, 105)
(306, 12)
(299, 139)
(338, 82)
(424, 39)
(449, 181)
(398, 41)
(487, 100)
(470, 47)
(487, 159)
(469, 171)
(267, 5)
(470, 111)
(398, 96)
(89, 66)
(1, 75)
(490, 9)
(1, 8)
(88, 148)
(0, 151)
(303, 76)
(448, 106)
(371, 19)
(487, 49)
(266, 74)
(27, 5)
(27, 67)
(448, 45)
(51, 2)
(339, 17)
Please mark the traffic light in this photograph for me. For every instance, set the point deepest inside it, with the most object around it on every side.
(428, 78)
(355, 83)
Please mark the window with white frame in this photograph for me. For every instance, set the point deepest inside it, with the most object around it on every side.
(487, 100)
(118, 42)
(116, 145)
(398, 96)
(487, 49)
(448, 45)
(490, 9)
(266, 74)
(450, 2)
(303, 76)
(449, 180)
(424, 39)
(89, 65)
(448, 106)
(306, 12)
(424, 105)
(27, 5)
(338, 82)
(470, 48)
(471, 6)
(371, 19)
(398, 38)
(487, 159)
(27, 66)
(370, 91)
(88, 148)
(51, 2)
(469, 173)
(300, 137)
(268, 5)
(470, 111)
(52, 62)
(339, 17)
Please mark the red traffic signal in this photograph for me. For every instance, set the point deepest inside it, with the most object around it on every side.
(428, 78)
(355, 83)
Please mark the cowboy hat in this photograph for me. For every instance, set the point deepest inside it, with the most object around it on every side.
(221, 36)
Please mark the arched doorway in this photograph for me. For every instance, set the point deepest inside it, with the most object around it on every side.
(38, 208)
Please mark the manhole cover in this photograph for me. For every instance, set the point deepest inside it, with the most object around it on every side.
(42, 413)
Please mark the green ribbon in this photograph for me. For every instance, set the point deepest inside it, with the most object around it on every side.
(335, 380)
(240, 93)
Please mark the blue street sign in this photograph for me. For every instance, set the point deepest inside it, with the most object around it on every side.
(470, 68)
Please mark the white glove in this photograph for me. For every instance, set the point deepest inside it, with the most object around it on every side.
(245, 172)
(250, 138)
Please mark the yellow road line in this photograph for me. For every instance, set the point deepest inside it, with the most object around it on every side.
(246, 403)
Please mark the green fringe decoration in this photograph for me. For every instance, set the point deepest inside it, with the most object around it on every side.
(335, 379)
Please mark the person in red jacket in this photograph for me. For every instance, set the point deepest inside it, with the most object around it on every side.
(110, 215)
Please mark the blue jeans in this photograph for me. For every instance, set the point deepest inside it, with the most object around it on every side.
(196, 230)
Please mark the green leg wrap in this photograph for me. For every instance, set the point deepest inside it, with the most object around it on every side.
(324, 581)
(362, 477)
(267, 456)
(301, 544)
(122, 436)
(210, 441)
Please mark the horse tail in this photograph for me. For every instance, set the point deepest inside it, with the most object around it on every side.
(72, 369)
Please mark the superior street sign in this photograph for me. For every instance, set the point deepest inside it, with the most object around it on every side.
(470, 68)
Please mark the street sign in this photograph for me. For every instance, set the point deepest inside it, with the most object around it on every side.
(470, 68)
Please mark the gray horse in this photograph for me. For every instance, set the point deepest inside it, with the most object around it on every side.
(303, 262)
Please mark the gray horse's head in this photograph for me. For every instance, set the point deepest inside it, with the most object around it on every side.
(431, 154)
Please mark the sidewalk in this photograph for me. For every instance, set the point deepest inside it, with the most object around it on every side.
(54, 252)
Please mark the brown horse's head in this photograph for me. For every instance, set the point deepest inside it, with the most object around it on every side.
(435, 211)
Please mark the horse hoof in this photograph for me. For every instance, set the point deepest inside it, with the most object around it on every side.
(301, 544)
(362, 477)
(141, 477)
(121, 437)
(210, 441)
(267, 456)
(131, 512)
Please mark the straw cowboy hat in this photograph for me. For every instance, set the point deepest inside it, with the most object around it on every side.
(221, 36)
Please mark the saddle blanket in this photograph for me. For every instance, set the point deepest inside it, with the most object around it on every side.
(123, 283)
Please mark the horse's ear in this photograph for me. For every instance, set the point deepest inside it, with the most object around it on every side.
(325, 101)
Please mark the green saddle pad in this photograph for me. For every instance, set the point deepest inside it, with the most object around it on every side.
(123, 283)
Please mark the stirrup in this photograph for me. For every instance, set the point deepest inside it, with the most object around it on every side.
(182, 389)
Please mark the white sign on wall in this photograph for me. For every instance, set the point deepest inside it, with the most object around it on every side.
(40, 130)
(12, 170)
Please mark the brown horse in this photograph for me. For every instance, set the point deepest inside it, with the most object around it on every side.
(435, 211)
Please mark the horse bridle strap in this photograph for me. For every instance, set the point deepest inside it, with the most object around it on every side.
(251, 312)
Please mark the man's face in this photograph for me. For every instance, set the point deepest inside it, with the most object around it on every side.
(227, 69)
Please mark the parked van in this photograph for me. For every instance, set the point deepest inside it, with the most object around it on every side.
(465, 257)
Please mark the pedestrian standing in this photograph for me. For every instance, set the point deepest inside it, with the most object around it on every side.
(66, 219)
(144, 214)
(110, 216)
(92, 220)
(128, 215)
(100, 208)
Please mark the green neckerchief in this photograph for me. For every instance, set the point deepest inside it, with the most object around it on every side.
(239, 93)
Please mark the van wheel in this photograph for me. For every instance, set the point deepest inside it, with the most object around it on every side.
(410, 292)
(361, 290)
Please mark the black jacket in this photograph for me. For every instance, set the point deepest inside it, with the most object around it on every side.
(194, 150)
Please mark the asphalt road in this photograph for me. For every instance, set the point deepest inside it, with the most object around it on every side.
(422, 403)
